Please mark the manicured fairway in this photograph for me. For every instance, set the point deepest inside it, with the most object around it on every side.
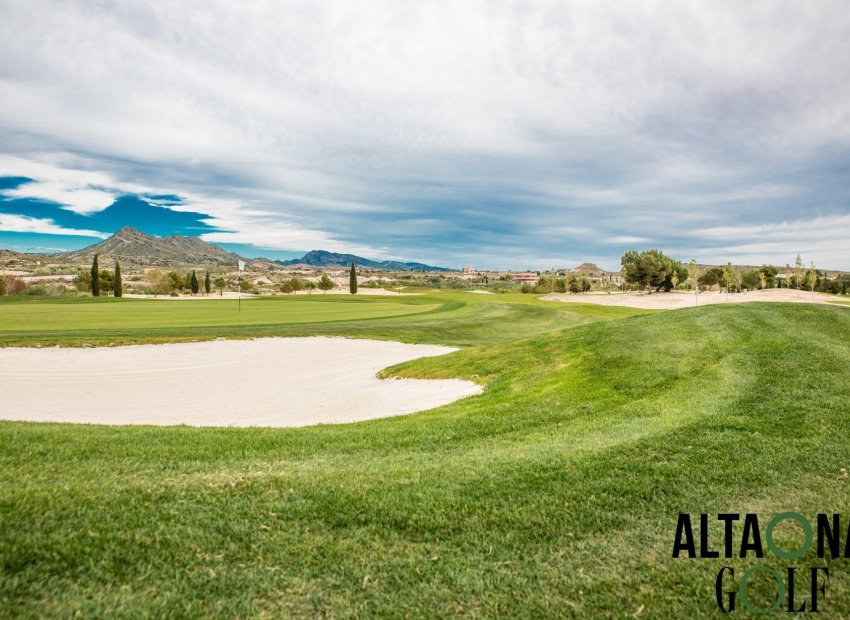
(61, 315)
(447, 318)
(553, 494)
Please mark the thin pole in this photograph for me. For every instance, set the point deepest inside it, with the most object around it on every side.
(240, 294)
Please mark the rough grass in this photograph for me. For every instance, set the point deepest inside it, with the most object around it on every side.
(553, 494)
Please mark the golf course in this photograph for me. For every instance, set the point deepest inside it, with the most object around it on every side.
(554, 492)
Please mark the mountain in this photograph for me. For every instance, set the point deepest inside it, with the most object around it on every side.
(589, 269)
(133, 247)
(320, 258)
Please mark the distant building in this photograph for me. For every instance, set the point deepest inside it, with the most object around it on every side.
(526, 278)
(469, 271)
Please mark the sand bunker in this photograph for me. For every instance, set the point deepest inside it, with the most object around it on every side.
(267, 382)
(684, 299)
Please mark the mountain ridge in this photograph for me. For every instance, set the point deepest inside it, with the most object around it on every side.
(323, 258)
(132, 246)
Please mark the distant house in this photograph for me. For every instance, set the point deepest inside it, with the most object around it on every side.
(468, 271)
(526, 278)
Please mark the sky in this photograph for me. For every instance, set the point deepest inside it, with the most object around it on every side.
(501, 135)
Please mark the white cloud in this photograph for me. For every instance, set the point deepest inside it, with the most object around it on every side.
(26, 224)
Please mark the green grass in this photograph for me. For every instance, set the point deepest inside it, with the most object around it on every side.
(553, 494)
(448, 318)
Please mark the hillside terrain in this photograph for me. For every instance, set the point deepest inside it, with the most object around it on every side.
(134, 247)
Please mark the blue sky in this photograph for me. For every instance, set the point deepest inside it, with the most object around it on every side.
(500, 134)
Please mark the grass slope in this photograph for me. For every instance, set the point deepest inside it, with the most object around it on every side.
(555, 493)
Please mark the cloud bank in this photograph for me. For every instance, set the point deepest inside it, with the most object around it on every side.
(501, 134)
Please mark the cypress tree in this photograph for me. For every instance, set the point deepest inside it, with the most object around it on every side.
(117, 286)
(194, 282)
(352, 280)
(95, 278)
(207, 283)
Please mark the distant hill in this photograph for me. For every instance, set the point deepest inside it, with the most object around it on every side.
(320, 258)
(133, 247)
(589, 269)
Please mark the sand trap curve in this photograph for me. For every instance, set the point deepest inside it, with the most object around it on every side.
(280, 382)
(683, 299)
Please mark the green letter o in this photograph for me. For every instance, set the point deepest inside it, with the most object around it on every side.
(742, 590)
(807, 529)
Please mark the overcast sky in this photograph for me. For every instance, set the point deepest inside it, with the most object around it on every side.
(496, 134)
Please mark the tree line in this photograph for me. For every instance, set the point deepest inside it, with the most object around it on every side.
(652, 270)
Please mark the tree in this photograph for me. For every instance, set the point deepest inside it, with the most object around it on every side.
(693, 276)
(798, 272)
(769, 272)
(105, 280)
(153, 276)
(751, 279)
(652, 269)
(812, 279)
(730, 277)
(220, 284)
(326, 284)
(711, 277)
(95, 278)
(352, 280)
(286, 287)
(2, 286)
(297, 284)
(310, 286)
(207, 283)
(193, 283)
(165, 285)
(693, 273)
(763, 280)
(117, 285)
(177, 281)
(244, 285)
(83, 281)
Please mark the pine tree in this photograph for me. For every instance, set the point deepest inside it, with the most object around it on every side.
(207, 283)
(95, 278)
(352, 280)
(193, 282)
(117, 285)
(326, 284)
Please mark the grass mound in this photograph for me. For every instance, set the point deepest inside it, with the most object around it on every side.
(554, 493)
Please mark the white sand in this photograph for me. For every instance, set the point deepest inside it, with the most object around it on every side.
(267, 382)
(685, 299)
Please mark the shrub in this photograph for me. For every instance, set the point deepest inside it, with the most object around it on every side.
(14, 286)
(36, 290)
